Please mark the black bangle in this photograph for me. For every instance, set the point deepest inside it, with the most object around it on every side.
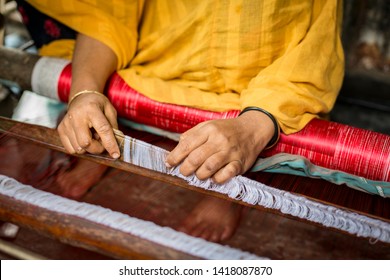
(276, 135)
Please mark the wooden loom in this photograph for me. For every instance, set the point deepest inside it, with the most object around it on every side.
(265, 232)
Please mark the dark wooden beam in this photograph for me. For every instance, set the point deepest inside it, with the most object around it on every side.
(17, 66)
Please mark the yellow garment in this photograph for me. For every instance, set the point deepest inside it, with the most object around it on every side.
(285, 57)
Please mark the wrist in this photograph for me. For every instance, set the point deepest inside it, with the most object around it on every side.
(267, 120)
(77, 94)
(85, 82)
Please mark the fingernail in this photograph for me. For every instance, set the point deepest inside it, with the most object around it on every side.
(115, 155)
(168, 165)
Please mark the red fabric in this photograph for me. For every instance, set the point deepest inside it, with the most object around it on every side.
(328, 144)
(341, 147)
(132, 105)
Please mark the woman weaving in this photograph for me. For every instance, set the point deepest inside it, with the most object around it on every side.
(281, 64)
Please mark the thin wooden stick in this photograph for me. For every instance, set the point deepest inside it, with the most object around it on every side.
(18, 252)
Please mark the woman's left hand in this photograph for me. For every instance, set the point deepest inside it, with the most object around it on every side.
(222, 149)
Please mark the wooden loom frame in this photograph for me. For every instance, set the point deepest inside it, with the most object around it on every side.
(81, 232)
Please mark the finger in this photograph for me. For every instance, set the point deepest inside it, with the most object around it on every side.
(196, 159)
(226, 234)
(75, 143)
(227, 172)
(199, 229)
(95, 135)
(80, 136)
(85, 141)
(188, 142)
(207, 234)
(211, 165)
(111, 115)
(106, 134)
(64, 137)
(215, 235)
(66, 128)
(66, 143)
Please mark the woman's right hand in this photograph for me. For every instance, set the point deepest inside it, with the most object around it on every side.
(89, 122)
(88, 126)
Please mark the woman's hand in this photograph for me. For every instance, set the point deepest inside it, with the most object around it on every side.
(88, 126)
(222, 149)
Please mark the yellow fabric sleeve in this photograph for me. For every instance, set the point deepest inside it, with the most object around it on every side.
(305, 81)
(114, 23)
(62, 48)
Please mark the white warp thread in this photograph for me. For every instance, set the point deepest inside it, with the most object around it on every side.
(255, 193)
(147, 230)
